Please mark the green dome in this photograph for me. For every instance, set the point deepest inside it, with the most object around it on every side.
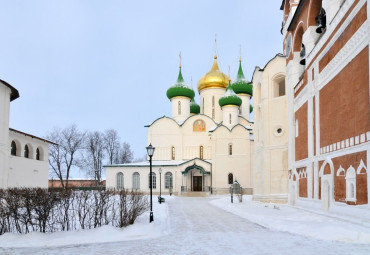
(230, 98)
(241, 85)
(194, 107)
(180, 89)
(250, 108)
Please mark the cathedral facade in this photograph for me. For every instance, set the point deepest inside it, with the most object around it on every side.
(200, 149)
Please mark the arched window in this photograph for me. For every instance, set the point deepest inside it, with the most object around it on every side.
(13, 150)
(203, 106)
(26, 151)
(279, 86)
(173, 153)
(351, 184)
(230, 178)
(120, 180)
(168, 180)
(154, 181)
(230, 149)
(136, 180)
(37, 154)
(179, 108)
(201, 152)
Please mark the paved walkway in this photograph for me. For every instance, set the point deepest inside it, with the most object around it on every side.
(197, 227)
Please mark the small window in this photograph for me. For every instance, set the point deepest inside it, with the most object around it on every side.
(13, 150)
(168, 180)
(120, 181)
(179, 108)
(26, 151)
(213, 113)
(203, 106)
(213, 101)
(173, 153)
(37, 154)
(282, 88)
(229, 118)
(201, 152)
(230, 178)
(230, 149)
(154, 181)
(136, 180)
(279, 87)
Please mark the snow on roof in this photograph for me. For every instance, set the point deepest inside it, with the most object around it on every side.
(157, 163)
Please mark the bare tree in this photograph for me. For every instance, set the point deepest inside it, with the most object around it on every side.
(125, 155)
(112, 144)
(63, 154)
(94, 149)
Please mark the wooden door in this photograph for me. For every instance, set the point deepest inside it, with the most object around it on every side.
(197, 183)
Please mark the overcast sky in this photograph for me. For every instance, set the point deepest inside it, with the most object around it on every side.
(107, 63)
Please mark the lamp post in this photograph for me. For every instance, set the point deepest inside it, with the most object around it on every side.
(150, 150)
(160, 185)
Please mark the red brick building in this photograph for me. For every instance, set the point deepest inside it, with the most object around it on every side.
(326, 43)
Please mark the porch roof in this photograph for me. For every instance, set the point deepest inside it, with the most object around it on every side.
(196, 167)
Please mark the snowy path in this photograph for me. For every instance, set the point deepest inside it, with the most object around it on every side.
(197, 227)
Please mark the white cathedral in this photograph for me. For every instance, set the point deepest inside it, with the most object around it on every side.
(202, 150)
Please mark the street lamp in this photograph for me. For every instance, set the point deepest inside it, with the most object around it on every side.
(160, 185)
(150, 150)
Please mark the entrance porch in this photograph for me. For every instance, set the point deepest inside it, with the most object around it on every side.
(195, 181)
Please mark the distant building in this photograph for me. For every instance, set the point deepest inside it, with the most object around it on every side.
(76, 184)
(327, 52)
(23, 157)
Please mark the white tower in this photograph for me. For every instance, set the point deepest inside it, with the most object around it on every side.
(230, 103)
(180, 95)
(7, 94)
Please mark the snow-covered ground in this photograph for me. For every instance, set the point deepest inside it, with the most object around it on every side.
(206, 226)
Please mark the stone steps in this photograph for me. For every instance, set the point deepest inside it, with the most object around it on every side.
(195, 194)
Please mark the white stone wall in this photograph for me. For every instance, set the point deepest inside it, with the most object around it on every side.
(4, 133)
(28, 172)
(209, 102)
(270, 169)
(184, 104)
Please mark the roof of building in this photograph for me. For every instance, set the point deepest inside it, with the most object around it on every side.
(159, 163)
(214, 78)
(241, 85)
(180, 88)
(14, 92)
(194, 107)
(230, 98)
(32, 136)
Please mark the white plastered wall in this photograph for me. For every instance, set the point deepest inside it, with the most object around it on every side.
(270, 170)
(28, 172)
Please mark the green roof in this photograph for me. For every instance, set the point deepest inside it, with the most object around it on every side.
(241, 85)
(180, 89)
(230, 98)
(194, 107)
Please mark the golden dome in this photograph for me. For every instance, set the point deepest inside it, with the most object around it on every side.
(214, 78)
